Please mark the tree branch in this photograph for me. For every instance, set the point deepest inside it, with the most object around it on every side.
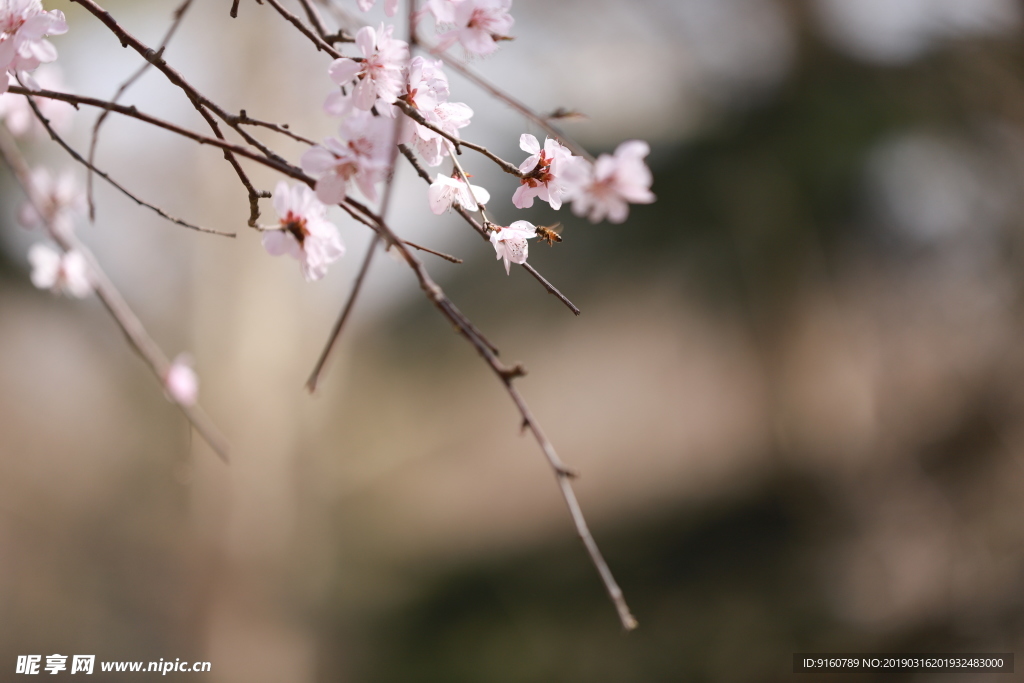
(78, 157)
(111, 298)
(178, 15)
(314, 377)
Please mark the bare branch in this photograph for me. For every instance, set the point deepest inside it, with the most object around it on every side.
(551, 288)
(314, 18)
(131, 111)
(202, 104)
(314, 377)
(441, 254)
(283, 129)
(507, 375)
(111, 298)
(178, 15)
(483, 232)
(376, 221)
(416, 116)
(141, 202)
(500, 94)
(320, 43)
(420, 171)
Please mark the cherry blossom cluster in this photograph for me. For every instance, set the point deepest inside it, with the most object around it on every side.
(56, 201)
(387, 102)
(383, 97)
(24, 26)
(384, 83)
(600, 190)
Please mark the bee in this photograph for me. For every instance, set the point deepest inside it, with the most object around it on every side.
(568, 114)
(550, 233)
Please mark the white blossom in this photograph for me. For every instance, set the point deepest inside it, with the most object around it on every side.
(305, 233)
(24, 26)
(614, 181)
(57, 272)
(60, 198)
(510, 243)
(446, 190)
(549, 172)
(428, 84)
(379, 77)
(428, 94)
(478, 23)
(360, 156)
(17, 113)
(181, 382)
(430, 145)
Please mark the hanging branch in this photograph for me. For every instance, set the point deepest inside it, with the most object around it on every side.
(78, 157)
(254, 150)
(314, 377)
(178, 15)
(130, 325)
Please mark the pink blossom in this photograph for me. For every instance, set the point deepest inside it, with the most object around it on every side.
(305, 233)
(612, 183)
(428, 84)
(18, 115)
(390, 6)
(66, 272)
(379, 77)
(448, 190)
(510, 243)
(428, 94)
(432, 147)
(60, 199)
(181, 382)
(548, 170)
(479, 23)
(360, 156)
(23, 30)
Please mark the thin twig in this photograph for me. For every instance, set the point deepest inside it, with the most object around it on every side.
(500, 94)
(314, 18)
(483, 232)
(111, 298)
(141, 202)
(201, 103)
(132, 112)
(320, 43)
(283, 129)
(251, 191)
(416, 116)
(178, 15)
(430, 288)
(407, 153)
(507, 375)
(314, 377)
(441, 254)
(551, 288)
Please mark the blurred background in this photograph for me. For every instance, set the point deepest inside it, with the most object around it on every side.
(794, 392)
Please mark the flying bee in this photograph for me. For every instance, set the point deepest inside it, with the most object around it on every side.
(550, 233)
(563, 113)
